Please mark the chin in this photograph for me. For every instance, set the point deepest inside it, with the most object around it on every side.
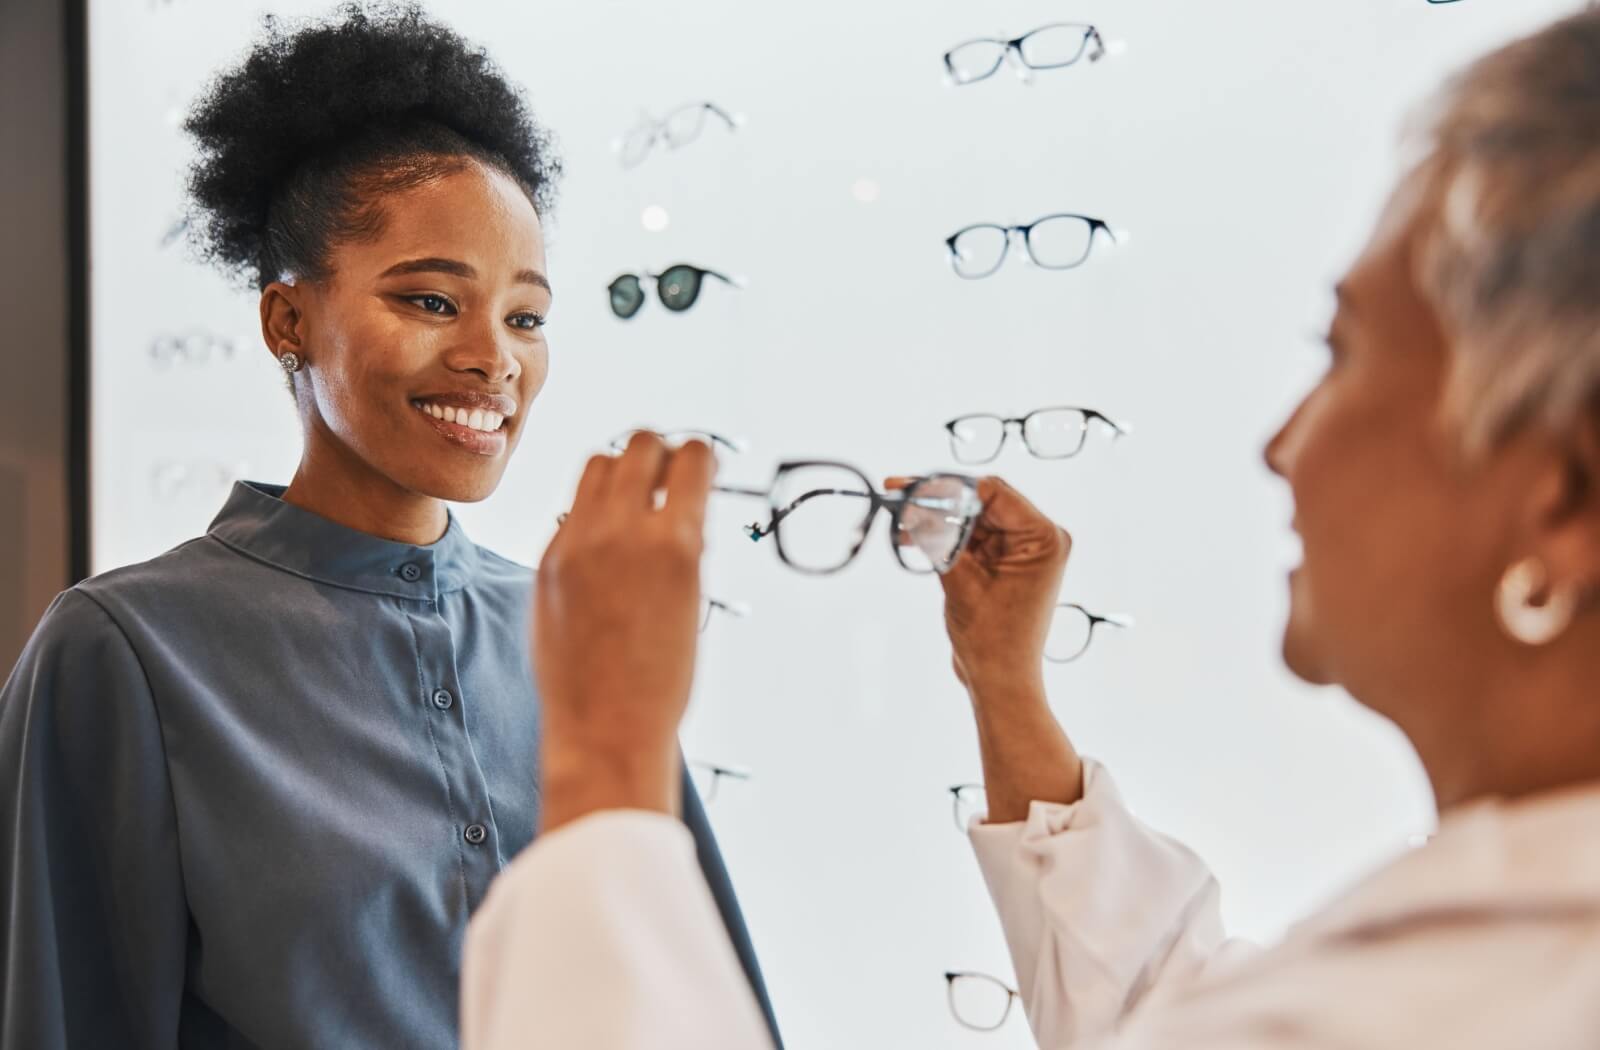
(1301, 655)
(458, 486)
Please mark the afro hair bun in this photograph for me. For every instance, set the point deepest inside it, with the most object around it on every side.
(293, 141)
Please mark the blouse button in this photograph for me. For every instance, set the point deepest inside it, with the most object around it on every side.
(443, 700)
(411, 572)
(475, 834)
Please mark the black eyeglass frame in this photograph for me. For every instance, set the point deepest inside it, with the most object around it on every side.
(894, 502)
(1095, 226)
(1012, 995)
(1014, 46)
(718, 774)
(1095, 620)
(700, 272)
(960, 791)
(1020, 425)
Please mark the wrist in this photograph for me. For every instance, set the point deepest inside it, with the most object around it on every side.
(576, 781)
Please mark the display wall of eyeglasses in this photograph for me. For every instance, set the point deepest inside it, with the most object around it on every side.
(1080, 246)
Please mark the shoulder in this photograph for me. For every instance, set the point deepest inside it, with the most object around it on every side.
(497, 570)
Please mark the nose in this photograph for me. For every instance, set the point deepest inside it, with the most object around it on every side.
(1279, 453)
(491, 355)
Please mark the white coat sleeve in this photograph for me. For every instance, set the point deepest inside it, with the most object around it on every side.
(1099, 911)
(603, 934)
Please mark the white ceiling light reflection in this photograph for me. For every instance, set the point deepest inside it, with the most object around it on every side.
(655, 218)
(865, 190)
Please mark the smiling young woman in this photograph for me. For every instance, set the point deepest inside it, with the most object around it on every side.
(252, 789)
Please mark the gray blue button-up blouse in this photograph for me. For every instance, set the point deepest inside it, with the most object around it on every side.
(251, 790)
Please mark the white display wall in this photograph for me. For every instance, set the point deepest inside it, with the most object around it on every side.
(1245, 145)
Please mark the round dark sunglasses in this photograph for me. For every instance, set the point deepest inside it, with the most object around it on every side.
(677, 287)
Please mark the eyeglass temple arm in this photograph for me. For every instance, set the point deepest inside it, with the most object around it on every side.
(757, 531)
(728, 118)
(1099, 51)
(737, 282)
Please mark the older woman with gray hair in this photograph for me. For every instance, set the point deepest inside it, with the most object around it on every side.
(1446, 478)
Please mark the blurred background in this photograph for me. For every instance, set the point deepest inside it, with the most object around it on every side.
(1241, 151)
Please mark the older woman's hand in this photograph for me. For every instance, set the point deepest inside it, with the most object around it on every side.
(999, 598)
(615, 627)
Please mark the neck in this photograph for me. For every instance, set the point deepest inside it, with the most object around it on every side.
(1534, 729)
(336, 484)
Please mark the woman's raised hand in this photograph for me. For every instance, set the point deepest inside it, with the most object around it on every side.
(615, 625)
(999, 598)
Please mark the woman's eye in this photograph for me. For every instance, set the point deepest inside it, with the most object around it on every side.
(433, 304)
(527, 321)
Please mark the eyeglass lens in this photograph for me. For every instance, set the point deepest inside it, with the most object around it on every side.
(969, 800)
(935, 521)
(829, 510)
(626, 296)
(979, 1001)
(679, 287)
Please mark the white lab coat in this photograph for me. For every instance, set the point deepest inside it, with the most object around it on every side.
(603, 935)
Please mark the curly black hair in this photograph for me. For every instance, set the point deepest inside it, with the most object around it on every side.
(301, 141)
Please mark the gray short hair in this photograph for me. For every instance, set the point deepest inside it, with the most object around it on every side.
(1511, 262)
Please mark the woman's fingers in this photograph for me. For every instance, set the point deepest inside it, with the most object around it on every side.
(689, 473)
(638, 472)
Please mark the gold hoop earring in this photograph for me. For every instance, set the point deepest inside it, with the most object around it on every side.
(1524, 621)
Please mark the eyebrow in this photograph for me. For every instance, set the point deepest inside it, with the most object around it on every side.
(456, 268)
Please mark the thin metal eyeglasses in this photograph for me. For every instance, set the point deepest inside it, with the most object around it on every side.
(1047, 433)
(822, 512)
(978, 1001)
(1061, 241)
(678, 128)
(968, 801)
(1053, 46)
(678, 288)
(1072, 630)
(708, 777)
(619, 444)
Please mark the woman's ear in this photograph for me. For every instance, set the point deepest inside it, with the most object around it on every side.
(283, 319)
(1571, 522)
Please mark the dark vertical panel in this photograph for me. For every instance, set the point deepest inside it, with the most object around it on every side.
(43, 294)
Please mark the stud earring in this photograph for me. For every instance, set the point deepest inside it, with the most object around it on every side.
(290, 362)
(1520, 618)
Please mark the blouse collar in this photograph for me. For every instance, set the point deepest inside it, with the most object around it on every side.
(257, 522)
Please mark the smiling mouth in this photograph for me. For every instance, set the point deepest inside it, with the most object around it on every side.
(482, 420)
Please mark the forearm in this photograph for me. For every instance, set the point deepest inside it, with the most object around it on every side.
(1026, 754)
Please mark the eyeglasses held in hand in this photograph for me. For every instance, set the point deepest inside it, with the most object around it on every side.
(822, 512)
(674, 438)
(969, 800)
(1072, 629)
(190, 348)
(1047, 433)
(678, 287)
(978, 1001)
(1055, 242)
(708, 777)
(678, 128)
(1053, 46)
(709, 607)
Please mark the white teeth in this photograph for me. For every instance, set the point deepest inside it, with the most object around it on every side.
(475, 419)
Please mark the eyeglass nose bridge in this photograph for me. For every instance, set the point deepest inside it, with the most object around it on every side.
(1017, 239)
(1019, 64)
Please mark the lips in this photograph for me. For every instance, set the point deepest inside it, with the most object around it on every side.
(474, 422)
